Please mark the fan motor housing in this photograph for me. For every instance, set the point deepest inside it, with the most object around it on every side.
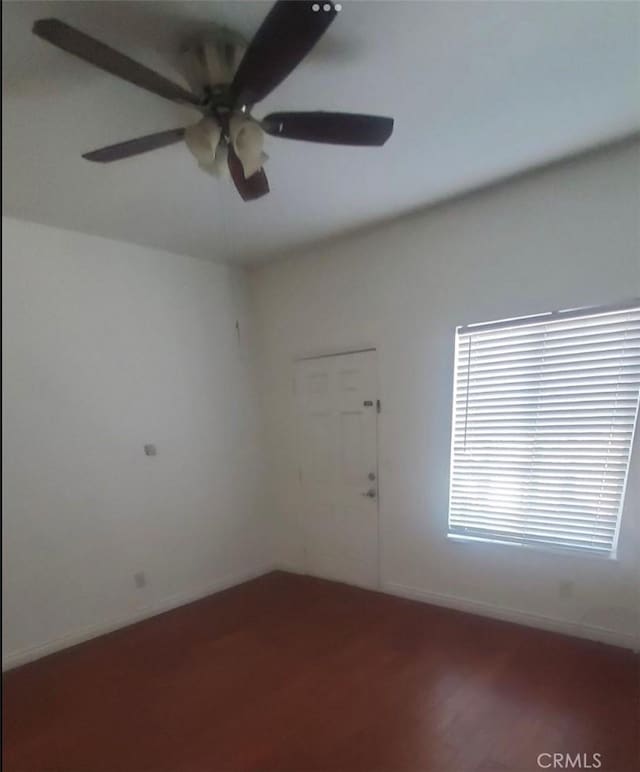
(209, 63)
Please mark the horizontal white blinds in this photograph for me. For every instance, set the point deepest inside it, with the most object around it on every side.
(543, 421)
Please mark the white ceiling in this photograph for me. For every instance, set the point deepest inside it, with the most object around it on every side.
(479, 90)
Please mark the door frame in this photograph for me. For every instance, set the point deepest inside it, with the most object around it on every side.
(324, 354)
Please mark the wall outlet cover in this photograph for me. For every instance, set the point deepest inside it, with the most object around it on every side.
(140, 579)
(565, 589)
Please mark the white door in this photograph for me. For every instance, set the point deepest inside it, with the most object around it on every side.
(338, 466)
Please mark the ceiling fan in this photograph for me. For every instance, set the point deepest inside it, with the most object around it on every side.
(227, 78)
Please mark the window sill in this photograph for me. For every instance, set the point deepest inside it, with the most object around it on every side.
(546, 549)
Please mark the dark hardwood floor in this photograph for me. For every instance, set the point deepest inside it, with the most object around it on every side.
(293, 673)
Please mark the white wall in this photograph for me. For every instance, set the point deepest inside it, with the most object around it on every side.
(560, 238)
(108, 346)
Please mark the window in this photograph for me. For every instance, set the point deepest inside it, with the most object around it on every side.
(544, 411)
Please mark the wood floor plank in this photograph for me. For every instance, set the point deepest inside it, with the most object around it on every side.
(289, 673)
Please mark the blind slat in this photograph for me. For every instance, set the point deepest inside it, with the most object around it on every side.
(479, 535)
(505, 351)
(574, 328)
(548, 510)
(614, 418)
(476, 492)
(621, 394)
(559, 529)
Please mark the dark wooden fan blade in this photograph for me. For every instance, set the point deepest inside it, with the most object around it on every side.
(249, 188)
(332, 128)
(290, 30)
(135, 146)
(93, 51)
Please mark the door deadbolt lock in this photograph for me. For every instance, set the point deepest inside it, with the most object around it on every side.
(371, 476)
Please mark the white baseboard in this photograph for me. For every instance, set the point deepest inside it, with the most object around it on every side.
(289, 568)
(506, 614)
(481, 608)
(605, 635)
(31, 653)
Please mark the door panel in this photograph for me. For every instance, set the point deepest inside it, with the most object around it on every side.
(337, 439)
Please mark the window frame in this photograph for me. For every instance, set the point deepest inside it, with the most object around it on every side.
(569, 313)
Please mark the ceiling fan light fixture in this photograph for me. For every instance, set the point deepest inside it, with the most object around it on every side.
(202, 140)
(219, 166)
(248, 140)
(227, 78)
(221, 161)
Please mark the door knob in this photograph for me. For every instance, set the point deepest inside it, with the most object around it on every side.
(371, 476)
(371, 493)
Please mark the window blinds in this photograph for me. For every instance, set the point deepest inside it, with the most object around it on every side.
(544, 410)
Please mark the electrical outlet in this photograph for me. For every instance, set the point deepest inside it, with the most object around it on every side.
(565, 589)
(140, 579)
